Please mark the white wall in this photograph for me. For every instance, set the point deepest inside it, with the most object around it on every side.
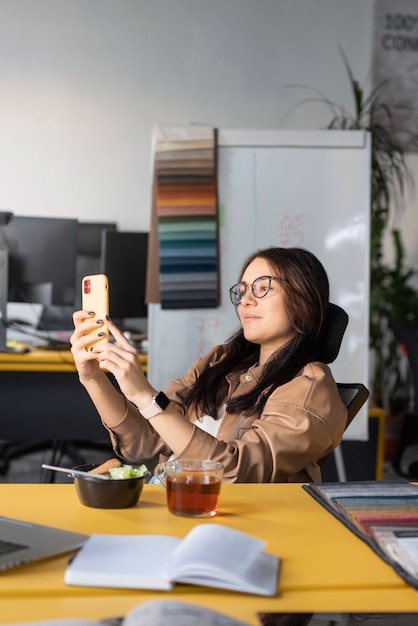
(82, 82)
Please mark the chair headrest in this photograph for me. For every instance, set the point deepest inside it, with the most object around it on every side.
(336, 321)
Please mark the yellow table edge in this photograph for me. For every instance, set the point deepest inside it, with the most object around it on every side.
(39, 360)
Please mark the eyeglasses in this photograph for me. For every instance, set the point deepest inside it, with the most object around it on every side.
(260, 288)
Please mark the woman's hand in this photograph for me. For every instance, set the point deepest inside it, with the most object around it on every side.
(121, 360)
(86, 362)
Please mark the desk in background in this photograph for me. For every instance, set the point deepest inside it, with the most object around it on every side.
(324, 567)
(42, 399)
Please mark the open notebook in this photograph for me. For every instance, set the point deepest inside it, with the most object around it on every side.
(22, 542)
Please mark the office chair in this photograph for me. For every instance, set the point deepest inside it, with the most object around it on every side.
(353, 395)
(57, 449)
(405, 462)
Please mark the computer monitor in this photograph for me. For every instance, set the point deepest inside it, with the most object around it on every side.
(38, 262)
(89, 252)
(89, 237)
(88, 261)
(42, 259)
(124, 261)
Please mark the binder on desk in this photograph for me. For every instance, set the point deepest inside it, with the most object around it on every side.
(383, 514)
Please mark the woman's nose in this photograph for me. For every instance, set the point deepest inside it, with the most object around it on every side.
(248, 298)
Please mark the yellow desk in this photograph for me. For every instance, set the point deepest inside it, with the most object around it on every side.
(41, 360)
(324, 566)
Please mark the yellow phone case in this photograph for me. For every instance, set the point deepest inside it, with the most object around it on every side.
(95, 298)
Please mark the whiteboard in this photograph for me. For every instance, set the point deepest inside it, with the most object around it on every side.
(283, 188)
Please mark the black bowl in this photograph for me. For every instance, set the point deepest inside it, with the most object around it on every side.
(107, 494)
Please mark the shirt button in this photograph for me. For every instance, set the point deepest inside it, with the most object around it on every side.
(247, 377)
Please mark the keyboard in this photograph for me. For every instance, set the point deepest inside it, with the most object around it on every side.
(8, 547)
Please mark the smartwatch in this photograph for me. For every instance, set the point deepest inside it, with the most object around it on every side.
(159, 404)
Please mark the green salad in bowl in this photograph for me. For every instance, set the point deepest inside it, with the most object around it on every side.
(127, 471)
(122, 489)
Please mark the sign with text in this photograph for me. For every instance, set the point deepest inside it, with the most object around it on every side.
(395, 66)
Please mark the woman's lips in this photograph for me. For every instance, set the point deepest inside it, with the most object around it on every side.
(250, 318)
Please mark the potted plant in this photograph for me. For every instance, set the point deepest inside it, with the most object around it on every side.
(392, 294)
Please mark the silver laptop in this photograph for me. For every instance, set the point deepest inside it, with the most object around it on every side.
(23, 542)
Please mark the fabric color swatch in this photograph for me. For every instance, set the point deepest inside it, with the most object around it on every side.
(185, 217)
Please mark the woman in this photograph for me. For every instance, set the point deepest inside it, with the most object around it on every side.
(260, 404)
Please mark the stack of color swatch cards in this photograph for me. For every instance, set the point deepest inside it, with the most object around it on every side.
(384, 514)
(187, 216)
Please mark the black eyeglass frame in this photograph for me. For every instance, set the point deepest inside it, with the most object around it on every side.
(234, 294)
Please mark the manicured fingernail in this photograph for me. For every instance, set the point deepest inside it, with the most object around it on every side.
(91, 312)
(99, 322)
(107, 317)
(100, 334)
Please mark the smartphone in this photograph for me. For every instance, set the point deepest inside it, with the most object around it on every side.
(95, 297)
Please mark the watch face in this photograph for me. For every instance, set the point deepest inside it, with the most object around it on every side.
(162, 400)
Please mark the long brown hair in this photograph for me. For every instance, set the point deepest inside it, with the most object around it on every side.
(305, 289)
